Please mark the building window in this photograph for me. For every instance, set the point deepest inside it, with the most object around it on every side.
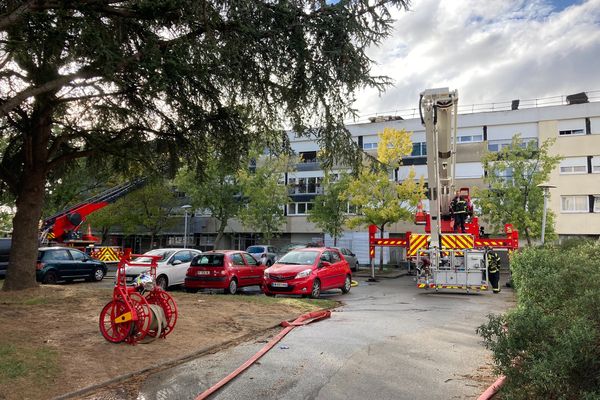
(369, 146)
(597, 203)
(497, 145)
(573, 165)
(571, 132)
(419, 149)
(596, 165)
(308, 156)
(469, 138)
(574, 204)
(299, 208)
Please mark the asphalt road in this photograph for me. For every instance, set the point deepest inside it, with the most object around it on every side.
(389, 341)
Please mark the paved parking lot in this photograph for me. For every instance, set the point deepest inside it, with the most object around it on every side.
(389, 341)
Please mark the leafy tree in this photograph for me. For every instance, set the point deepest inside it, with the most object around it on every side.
(547, 346)
(512, 176)
(330, 209)
(218, 192)
(107, 218)
(154, 82)
(148, 208)
(379, 199)
(265, 196)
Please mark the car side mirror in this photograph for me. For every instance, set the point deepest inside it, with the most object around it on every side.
(352, 255)
(177, 262)
(324, 264)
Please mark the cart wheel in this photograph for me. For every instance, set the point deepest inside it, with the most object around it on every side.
(112, 331)
(166, 301)
(144, 317)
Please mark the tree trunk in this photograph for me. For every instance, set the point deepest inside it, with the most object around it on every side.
(528, 236)
(381, 248)
(24, 249)
(220, 231)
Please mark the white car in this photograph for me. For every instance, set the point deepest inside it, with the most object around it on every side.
(171, 268)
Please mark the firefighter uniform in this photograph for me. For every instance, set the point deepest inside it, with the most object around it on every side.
(459, 210)
(493, 260)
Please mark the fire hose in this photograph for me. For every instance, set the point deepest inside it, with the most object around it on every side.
(288, 326)
(493, 389)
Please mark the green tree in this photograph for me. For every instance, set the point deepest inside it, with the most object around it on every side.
(513, 196)
(547, 346)
(154, 82)
(380, 200)
(330, 209)
(265, 196)
(108, 217)
(217, 191)
(148, 210)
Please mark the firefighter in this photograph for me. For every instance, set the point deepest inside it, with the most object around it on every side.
(459, 210)
(493, 260)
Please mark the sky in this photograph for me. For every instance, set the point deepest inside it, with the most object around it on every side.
(491, 51)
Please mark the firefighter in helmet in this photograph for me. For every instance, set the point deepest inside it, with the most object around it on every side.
(493, 260)
(459, 211)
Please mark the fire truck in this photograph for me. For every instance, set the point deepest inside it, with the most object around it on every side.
(445, 259)
(63, 227)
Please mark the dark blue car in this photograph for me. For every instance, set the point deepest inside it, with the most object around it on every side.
(65, 264)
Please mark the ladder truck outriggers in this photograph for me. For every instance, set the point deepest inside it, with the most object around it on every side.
(445, 259)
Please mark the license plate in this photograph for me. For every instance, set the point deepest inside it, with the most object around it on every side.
(279, 284)
(202, 272)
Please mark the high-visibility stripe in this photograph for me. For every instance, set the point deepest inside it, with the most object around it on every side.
(417, 241)
(107, 254)
(457, 241)
(389, 242)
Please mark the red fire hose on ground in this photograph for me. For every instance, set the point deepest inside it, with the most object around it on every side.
(288, 326)
(493, 389)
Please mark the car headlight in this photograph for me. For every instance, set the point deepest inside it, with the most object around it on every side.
(304, 273)
(266, 274)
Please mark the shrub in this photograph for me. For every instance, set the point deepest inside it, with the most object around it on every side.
(549, 345)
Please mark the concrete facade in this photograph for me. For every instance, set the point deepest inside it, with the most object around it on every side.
(575, 201)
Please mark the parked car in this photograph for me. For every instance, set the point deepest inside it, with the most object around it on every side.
(350, 257)
(61, 263)
(5, 244)
(307, 272)
(263, 252)
(171, 269)
(224, 269)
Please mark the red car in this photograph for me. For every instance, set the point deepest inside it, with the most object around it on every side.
(223, 269)
(307, 272)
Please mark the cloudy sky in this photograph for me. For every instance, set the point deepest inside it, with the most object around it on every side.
(490, 50)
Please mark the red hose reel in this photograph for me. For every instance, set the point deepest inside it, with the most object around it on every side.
(136, 313)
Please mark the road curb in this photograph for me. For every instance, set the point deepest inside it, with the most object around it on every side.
(390, 276)
(164, 365)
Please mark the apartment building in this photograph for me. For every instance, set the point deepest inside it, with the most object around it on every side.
(575, 128)
(575, 200)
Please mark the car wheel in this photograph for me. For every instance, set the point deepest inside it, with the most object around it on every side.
(316, 289)
(191, 290)
(268, 294)
(347, 284)
(162, 282)
(98, 274)
(269, 263)
(232, 288)
(50, 278)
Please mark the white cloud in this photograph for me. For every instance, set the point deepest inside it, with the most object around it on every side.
(490, 50)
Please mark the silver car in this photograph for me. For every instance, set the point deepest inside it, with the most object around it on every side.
(263, 252)
(350, 257)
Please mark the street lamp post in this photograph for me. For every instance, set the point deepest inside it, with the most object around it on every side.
(185, 224)
(546, 188)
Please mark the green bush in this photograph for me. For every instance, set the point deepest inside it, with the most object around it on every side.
(549, 345)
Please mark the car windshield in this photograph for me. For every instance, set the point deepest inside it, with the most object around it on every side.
(255, 249)
(164, 254)
(299, 258)
(208, 260)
